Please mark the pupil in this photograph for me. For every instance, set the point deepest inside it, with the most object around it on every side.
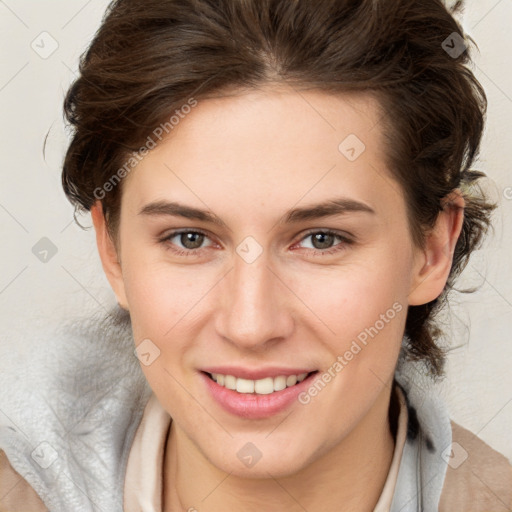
(324, 240)
(192, 240)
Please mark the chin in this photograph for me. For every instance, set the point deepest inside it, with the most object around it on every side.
(260, 459)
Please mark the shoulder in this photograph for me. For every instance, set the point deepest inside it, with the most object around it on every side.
(478, 478)
(16, 495)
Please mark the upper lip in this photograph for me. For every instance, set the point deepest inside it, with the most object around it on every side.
(256, 373)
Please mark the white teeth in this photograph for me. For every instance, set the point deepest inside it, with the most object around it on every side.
(244, 386)
(264, 386)
(229, 382)
(280, 383)
(291, 380)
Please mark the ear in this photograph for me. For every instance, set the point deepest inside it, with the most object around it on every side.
(109, 255)
(433, 263)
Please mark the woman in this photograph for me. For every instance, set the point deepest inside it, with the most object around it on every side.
(282, 198)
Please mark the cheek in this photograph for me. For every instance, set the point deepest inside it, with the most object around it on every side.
(362, 308)
(158, 298)
(351, 298)
(161, 305)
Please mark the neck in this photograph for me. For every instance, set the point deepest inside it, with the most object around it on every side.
(349, 477)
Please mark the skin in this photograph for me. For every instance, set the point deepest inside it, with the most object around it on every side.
(249, 158)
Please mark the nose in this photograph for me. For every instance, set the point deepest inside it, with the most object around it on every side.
(255, 305)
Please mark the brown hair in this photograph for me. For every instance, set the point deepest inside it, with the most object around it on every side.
(150, 57)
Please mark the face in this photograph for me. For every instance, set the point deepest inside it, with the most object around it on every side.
(301, 263)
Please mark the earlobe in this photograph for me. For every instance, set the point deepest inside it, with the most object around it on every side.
(433, 263)
(109, 255)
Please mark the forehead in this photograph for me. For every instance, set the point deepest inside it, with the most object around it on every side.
(270, 147)
(282, 117)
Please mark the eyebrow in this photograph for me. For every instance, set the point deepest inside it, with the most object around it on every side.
(332, 207)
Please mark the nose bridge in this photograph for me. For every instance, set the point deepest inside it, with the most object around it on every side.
(253, 309)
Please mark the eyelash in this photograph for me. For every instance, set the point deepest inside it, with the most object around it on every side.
(195, 252)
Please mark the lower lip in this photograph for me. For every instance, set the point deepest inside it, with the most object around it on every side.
(251, 405)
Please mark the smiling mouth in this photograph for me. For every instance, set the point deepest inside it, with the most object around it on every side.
(265, 386)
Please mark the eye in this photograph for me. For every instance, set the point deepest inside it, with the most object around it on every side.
(191, 242)
(185, 242)
(323, 241)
